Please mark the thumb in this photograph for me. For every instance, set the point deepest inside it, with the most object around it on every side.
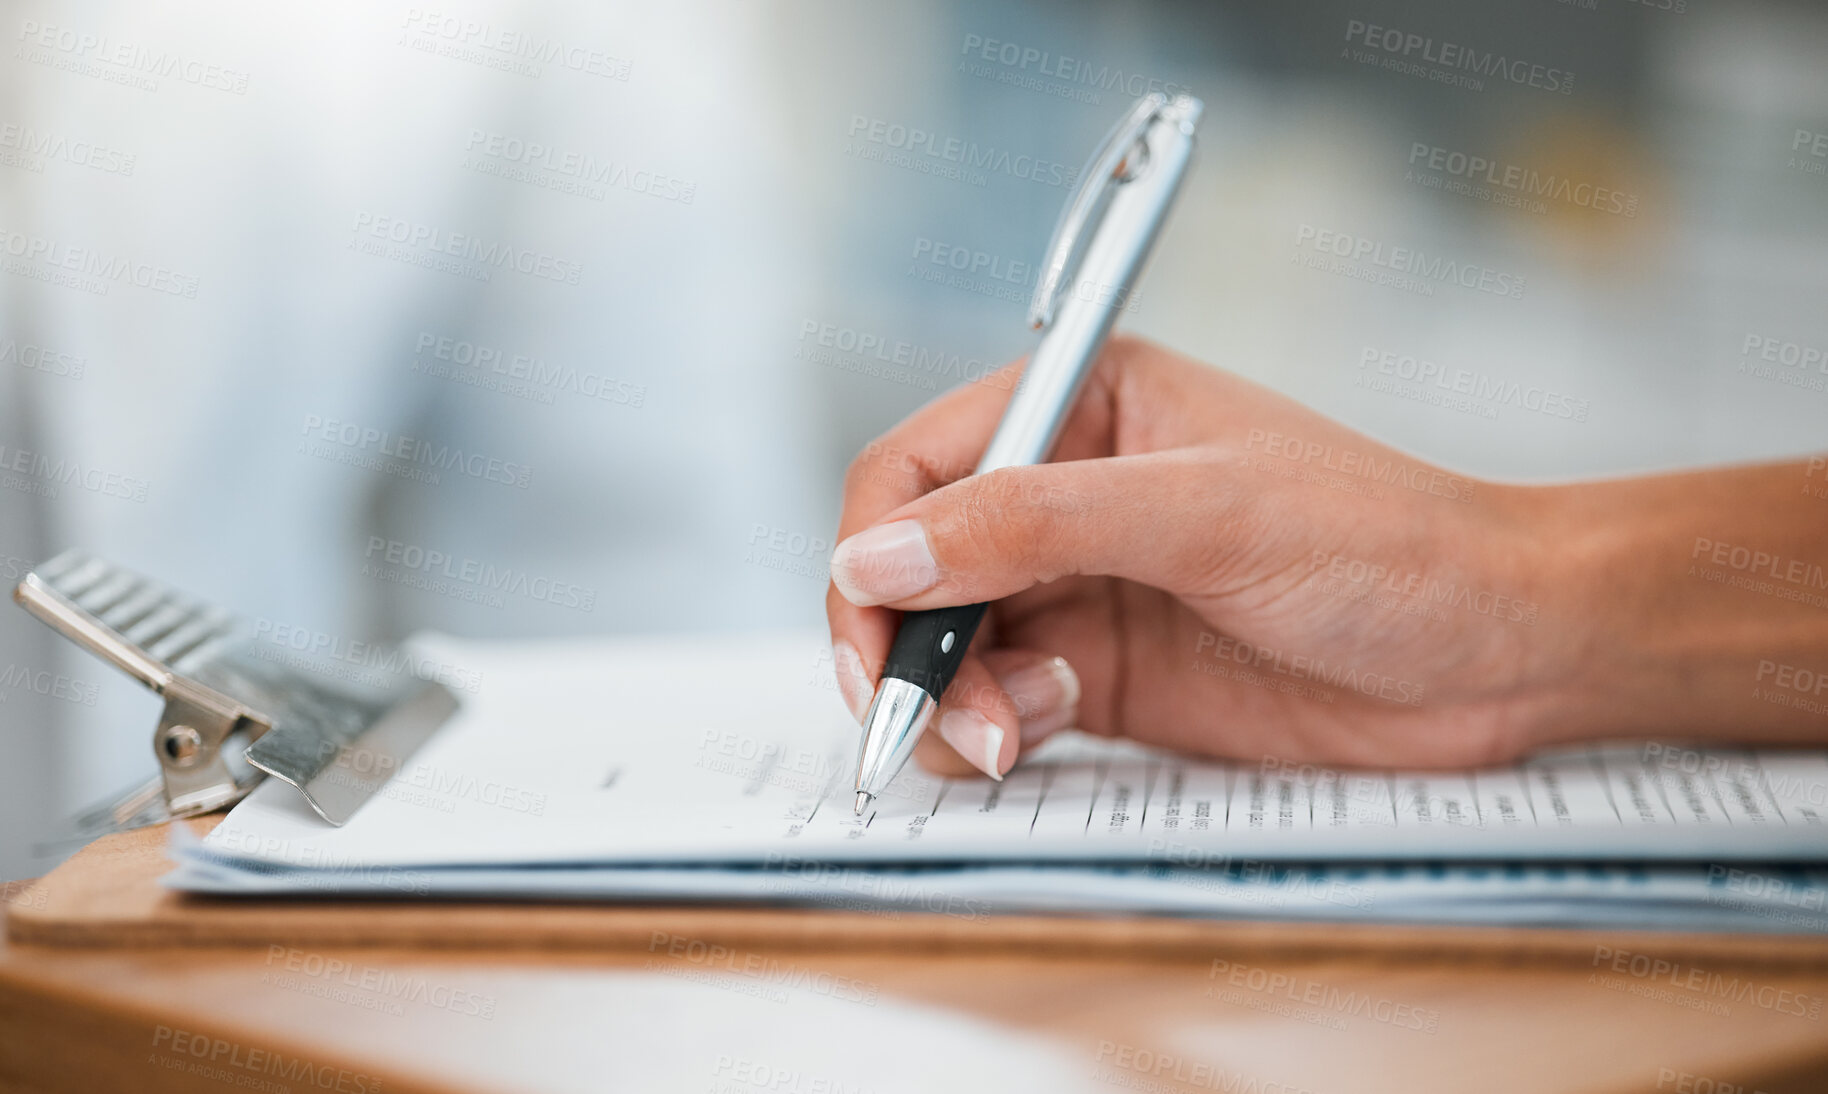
(1155, 518)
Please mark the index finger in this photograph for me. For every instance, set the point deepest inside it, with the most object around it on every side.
(937, 444)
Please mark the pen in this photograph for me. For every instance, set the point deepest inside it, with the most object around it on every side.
(1104, 233)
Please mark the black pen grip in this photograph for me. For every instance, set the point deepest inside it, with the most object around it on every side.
(922, 655)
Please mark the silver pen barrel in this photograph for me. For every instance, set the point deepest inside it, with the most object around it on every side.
(1102, 286)
(1132, 178)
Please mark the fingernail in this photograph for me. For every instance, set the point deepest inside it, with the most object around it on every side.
(853, 682)
(885, 563)
(977, 739)
(1046, 696)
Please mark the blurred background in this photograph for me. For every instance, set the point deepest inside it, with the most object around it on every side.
(604, 300)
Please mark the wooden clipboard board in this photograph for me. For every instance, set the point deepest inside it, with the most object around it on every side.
(108, 895)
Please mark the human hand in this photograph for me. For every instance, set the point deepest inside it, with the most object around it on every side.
(1208, 566)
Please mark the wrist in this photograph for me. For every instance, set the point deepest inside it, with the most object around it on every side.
(1653, 621)
(1584, 677)
(1557, 670)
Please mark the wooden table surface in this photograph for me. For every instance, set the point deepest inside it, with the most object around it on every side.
(680, 1016)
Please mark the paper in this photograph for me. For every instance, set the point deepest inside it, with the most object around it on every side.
(610, 772)
(1662, 897)
(719, 752)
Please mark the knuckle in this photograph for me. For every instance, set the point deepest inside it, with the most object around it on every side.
(861, 467)
(899, 465)
(1125, 347)
(1126, 355)
(994, 522)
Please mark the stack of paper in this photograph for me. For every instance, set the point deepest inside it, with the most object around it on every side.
(702, 771)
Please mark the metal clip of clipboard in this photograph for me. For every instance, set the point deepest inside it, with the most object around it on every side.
(231, 716)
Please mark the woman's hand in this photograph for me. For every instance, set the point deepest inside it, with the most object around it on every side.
(1212, 567)
(1208, 566)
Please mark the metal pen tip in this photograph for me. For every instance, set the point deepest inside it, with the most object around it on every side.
(863, 801)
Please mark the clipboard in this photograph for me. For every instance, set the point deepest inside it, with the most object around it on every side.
(108, 896)
(231, 716)
(241, 707)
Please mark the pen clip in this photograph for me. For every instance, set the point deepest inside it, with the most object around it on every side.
(1109, 165)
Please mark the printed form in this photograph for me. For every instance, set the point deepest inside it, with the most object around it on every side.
(589, 754)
